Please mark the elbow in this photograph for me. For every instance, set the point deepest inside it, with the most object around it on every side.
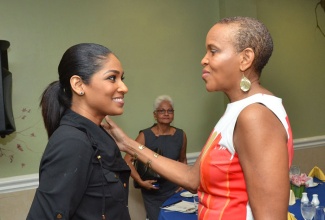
(192, 187)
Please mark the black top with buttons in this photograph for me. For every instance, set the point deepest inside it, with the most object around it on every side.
(82, 175)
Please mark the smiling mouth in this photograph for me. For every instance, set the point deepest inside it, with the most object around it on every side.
(119, 100)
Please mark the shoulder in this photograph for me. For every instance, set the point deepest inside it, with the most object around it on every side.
(255, 113)
(257, 125)
(146, 130)
(178, 129)
(68, 139)
(66, 132)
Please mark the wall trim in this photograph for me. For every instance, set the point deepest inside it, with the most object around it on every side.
(26, 182)
(310, 142)
(18, 183)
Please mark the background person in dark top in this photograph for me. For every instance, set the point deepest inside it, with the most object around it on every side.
(172, 142)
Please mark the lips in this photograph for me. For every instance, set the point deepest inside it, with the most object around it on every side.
(205, 73)
(119, 100)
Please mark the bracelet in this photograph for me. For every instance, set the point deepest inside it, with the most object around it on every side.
(156, 155)
(141, 147)
(149, 163)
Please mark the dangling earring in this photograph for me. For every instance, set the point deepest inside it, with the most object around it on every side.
(245, 84)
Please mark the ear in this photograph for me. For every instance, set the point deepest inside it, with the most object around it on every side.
(154, 114)
(76, 84)
(247, 58)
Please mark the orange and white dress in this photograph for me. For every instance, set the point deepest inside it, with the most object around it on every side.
(222, 189)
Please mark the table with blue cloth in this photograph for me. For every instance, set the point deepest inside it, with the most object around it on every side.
(170, 215)
(294, 209)
(320, 190)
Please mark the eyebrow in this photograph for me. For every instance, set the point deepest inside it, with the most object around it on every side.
(114, 71)
(211, 46)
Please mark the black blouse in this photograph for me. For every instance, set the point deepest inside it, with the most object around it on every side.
(82, 174)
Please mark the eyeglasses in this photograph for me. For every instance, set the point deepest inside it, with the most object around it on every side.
(163, 111)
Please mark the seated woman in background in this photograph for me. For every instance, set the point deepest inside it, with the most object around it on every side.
(171, 142)
(82, 173)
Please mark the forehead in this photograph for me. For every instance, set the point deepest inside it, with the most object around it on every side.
(221, 34)
(112, 60)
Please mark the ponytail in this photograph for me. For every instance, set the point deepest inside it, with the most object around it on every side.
(53, 103)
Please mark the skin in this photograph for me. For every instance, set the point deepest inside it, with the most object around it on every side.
(104, 95)
(162, 128)
(259, 137)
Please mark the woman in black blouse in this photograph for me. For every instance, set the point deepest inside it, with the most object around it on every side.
(82, 174)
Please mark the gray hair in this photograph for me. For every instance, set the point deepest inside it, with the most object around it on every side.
(162, 98)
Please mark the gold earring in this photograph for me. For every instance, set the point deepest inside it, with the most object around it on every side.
(245, 84)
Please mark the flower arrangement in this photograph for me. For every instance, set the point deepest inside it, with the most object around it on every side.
(299, 180)
(298, 183)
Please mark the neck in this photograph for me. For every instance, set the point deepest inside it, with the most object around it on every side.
(237, 95)
(163, 129)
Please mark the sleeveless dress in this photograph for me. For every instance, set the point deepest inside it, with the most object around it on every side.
(171, 146)
(222, 189)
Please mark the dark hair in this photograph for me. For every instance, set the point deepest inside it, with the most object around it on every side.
(82, 60)
(251, 33)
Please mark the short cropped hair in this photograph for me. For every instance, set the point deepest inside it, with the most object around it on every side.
(253, 34)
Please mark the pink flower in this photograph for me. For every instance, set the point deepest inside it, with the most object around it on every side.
(299, 180)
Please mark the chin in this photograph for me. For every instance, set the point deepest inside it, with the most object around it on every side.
(116, 113)
(209, 89)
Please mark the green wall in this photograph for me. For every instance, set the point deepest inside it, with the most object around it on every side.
(296, 71)
(160, 44)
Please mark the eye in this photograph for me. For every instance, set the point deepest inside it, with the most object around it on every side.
(112, 78)
(213, 51)
(170, 111)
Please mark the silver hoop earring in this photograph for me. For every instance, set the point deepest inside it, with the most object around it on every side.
(245, 84)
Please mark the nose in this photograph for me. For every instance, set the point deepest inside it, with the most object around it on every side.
(204, 60)
(122, 88)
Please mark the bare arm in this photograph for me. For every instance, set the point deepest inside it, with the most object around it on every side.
(260, 141)
(181, 174)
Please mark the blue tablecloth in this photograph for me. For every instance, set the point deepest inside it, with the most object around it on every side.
(168, 215)
(320, 190)
(294, 209)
